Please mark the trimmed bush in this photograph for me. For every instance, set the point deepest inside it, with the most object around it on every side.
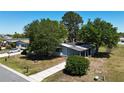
(24, 52)
(76, 65)
(8, 47)
(13, 45)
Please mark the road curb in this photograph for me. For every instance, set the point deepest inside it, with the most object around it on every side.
(19, 74)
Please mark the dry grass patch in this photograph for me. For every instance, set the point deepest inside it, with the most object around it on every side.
(20, 63)
(112, 68)
(115, 65)
(96, 65)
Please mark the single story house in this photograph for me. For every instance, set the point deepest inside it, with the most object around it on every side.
(73, 49)
(21, 43)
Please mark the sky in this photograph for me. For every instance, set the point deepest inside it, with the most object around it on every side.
(14, 21)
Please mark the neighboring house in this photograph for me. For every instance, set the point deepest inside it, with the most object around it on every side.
(121, 40)
(81, 49)
(21, 43)
(5, 36)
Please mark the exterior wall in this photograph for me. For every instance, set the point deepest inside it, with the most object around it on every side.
(21, 45)
(68, 52)
(72, 52)
(64, 51)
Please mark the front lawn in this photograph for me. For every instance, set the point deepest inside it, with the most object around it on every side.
(111, 68)
(95, 65)
(20, 64)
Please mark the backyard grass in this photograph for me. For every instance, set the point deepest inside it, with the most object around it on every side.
(115, 65)
(20, 63)
(112, 69)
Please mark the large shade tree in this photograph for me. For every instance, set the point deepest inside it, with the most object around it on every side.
(99, 32)
(45, 35)
(72, 22)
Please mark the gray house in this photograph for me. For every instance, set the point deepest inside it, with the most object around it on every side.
(82, 50)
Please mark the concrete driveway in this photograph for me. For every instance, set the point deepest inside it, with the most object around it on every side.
(8, 76)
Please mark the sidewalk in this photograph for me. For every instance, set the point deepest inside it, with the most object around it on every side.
(12, 54)
(43, 74)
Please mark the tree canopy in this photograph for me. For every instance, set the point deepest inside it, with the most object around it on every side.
(121, 34)
(1, 39)
(45, 35)
(17, 35)
(72, 22)
(99, 32)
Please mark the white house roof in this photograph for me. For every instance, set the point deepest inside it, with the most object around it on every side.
(74, 47)
(122, 39)
(26, 40)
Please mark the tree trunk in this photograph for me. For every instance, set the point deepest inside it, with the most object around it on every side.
(97, 49)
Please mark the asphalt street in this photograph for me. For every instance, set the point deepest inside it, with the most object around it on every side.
(8, 76)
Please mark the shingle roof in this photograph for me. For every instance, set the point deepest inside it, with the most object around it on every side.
(74, 47)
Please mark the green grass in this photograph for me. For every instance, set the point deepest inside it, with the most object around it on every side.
(115, 65)
(102, 49)
(19, 63)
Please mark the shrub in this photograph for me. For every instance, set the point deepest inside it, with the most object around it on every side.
(76, 65)
(24, 52)
(13, 45)
(8, 47)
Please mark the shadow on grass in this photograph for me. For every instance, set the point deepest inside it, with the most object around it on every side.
(38, 57)
(102, 55)
(68, 73)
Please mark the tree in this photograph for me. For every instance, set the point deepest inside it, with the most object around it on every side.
(99, 32)
(121, 34)
(1, 39)
(45, 35)
(111, 37)
(31, 29)
(72, 22)
(17, 35)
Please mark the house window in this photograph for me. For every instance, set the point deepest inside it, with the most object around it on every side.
(59, 50)
(122, 41)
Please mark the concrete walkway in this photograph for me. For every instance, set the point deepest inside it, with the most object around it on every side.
(43, 74)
